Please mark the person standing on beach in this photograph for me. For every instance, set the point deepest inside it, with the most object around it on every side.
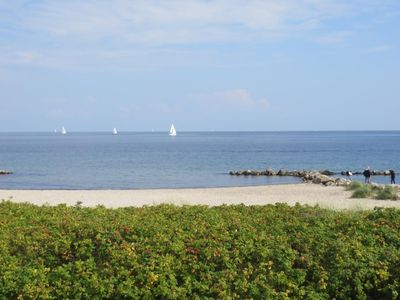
(392, 177)
(367, 175)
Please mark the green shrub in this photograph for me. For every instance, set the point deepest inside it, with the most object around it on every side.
(388, 192)
(197, 252)
(354, 185)
(363, 191)
(372, 191)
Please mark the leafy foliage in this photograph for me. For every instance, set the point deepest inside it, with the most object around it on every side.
(388, 192)
(197, 252)
(363, 191)
(354, 185)
(378, 192)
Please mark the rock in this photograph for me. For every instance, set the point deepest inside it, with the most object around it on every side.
(342, 181)
(282, 173)
(377, 173)
(5, 172)
(330, 183)
(270, 172)
(316, 180)
(293, 173)
(327, 172)
(325, 179)
(316, 177)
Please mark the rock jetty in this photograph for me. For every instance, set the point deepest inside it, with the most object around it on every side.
(317, 177)
(5, 172)
(373, 172)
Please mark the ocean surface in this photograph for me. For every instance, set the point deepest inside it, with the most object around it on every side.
(189, 160)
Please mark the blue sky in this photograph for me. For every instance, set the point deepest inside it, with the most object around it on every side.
(201, 64)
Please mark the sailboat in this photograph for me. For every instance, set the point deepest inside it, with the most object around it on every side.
(114, 131)
(63, 131)
(172, 131)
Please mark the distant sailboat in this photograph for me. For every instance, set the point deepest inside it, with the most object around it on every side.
(172, 131)
(114, 131)
(63, 131)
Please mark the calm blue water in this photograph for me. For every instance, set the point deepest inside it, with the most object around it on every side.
(191, 159)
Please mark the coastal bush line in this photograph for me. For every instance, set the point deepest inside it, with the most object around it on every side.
(198, 252)
(378, 192)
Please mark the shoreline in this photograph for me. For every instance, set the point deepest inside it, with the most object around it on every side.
(330, 197)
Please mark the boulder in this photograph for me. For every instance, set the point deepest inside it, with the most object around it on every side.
(282, 173)
(325, 179)
(247, 172)
(327, 172)
(270, 172)
(5, 172)
(316, 180)
(330, 183)
(342, 181)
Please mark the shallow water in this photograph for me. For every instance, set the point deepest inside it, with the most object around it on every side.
(191, 159)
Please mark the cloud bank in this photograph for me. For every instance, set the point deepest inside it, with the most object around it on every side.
(174, 21)
(75, 33)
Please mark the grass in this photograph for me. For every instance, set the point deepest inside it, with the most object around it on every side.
(388, 192)
(372, 191)
(364, 191)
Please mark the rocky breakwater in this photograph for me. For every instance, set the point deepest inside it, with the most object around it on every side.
(317, 177)
(373, 173)
(5, 172)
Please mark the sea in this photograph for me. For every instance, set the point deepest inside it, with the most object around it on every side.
(142, 160)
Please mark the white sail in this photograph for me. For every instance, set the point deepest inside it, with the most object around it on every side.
(63, 131)
(114, 131)
(172, 131)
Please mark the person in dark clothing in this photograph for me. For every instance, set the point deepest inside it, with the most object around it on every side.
(367, 175)
(392, 177)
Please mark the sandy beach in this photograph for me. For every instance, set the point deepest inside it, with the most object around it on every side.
(311, 194)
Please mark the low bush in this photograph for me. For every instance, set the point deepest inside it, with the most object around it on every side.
(372, 191)
(197, 252)
(354, 185)
(388, 192)
(362, 191)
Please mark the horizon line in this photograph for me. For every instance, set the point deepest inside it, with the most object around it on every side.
(189, 131)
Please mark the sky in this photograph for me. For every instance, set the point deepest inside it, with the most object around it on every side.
(236, 65)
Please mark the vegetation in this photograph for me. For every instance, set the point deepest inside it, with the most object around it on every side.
(364, 191)
(196, 252)
(388, 192)
(354, 185)
(378, 192)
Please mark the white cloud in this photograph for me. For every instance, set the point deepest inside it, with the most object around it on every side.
(380, 49)
(236, 99)
(335, 37)
(175, 21)
(155, 33)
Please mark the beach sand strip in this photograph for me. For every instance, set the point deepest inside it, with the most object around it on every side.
(325, 196)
